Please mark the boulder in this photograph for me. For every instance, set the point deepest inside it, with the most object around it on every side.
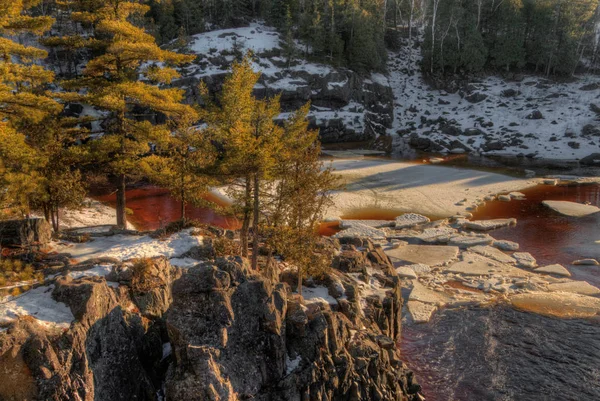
(562, 305)
(590, 130)
(477, 265)
(466, 241)
(106, 354)
(406, 272)
(591, 160)
(420, 312)
(24, 233)
(361, 231)
(535, 115)
(476, 97)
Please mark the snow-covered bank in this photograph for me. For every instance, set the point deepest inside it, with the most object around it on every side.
(408, 187)
(528, 116)
(125, 247)
(92, 213)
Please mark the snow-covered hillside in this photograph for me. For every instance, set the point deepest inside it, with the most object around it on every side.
(529, 116)
(345, 106)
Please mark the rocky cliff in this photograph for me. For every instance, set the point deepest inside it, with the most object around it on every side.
(346, 106)
(234, 335)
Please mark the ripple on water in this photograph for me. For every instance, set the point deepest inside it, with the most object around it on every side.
(502, 354)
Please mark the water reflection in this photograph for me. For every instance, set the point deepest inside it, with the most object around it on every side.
(154, 208)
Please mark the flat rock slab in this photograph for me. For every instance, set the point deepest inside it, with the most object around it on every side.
(466, 241)
(423, 294)
(344, 224)
(477, 265)
(406, 272)
(586, 262)
(361, 231)
(409, 220)
(576, 287)
(493, 253)
(563, 305)
(525, 259)
(420, 268)
(431, 235)
(420, 312)
(571, 209)
(487, 225)
(506, 245)
(557, 269)
(431, 255)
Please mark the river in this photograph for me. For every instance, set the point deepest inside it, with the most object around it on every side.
(501, 354)
(480, 354)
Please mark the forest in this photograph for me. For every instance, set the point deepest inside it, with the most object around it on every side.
(553, 37)
(119, 59)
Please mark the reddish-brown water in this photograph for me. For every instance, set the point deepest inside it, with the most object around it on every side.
(547, 235)
(154, 208)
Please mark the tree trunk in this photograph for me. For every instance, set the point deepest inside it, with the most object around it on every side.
(255, 223)
(121, 205)
(57, 217)
(246, 219)
(299, 281)
(183, 205)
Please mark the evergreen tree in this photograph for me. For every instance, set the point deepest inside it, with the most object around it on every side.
(251, 141)
(24, 104)
(111, 83)
(299, 198)
(181, 164)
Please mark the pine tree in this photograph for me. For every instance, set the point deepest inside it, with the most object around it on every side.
(182, 165)
(299, 198)
(251, 141)
(24, 102)
(111, 82)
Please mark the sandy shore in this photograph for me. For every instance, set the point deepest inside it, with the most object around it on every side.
(408, 187)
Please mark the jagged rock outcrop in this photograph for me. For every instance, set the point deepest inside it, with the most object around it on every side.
(110, 352)
(346, 106)
(236, 335)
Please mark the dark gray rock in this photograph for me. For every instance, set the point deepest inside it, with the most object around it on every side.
(476, 97)
(535, 115)
(105, 355)
(590, 130)
(25, 233)
(591, 160)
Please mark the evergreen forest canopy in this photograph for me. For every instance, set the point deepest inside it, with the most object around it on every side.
(543, 36)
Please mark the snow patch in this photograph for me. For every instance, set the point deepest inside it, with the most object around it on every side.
(292, 364)
(318, 294)
(39, 304)
(124, 247)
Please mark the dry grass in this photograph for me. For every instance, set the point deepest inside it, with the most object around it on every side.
(14, 270)
(142, 279)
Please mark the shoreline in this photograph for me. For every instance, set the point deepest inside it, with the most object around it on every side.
(431, 190)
